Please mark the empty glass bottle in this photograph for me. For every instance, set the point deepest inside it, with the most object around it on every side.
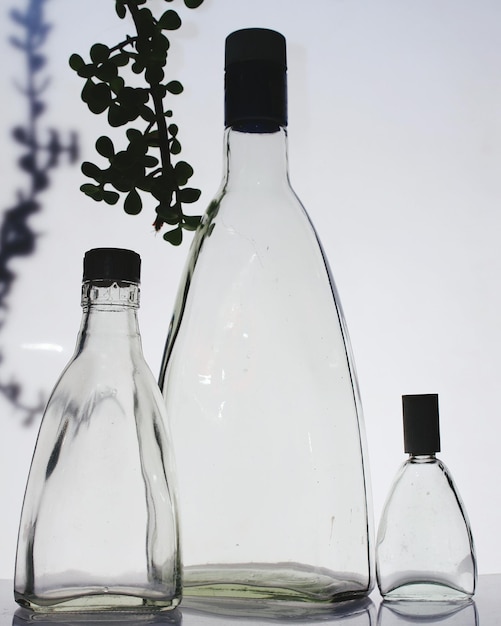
(258, 376)
(99, 524)
(424, 546)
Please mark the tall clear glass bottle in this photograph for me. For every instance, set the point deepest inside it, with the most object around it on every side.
(424, 546)
(258, 376)
(99, 523)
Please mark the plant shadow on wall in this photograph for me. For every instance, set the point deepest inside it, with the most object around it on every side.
(42, 149)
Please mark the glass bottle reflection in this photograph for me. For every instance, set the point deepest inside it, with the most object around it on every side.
(430, 613)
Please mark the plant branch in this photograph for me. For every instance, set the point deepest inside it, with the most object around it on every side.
(130, 170)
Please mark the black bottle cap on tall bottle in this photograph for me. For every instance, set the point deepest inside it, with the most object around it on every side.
(421, 424)
(112, 264)
(255, 80)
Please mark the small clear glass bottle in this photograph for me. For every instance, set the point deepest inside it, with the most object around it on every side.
(424, 547)
(258, 376)
(99, 525)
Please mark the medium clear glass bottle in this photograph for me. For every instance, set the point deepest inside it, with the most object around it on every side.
(258, 376)
(99, 523)
(424, 546)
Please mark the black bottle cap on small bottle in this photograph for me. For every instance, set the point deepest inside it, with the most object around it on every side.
(255, 80)
(112, 264)
(421, 424)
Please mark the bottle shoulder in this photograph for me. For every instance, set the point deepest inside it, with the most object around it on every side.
(270, 221)
(412, 473)
(423, 486)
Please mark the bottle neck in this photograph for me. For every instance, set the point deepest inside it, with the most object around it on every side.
(256, 159)
(109, 310)
(422, 458)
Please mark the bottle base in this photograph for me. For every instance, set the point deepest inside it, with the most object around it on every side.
(426, 592)
(68, 601)
(288, 582)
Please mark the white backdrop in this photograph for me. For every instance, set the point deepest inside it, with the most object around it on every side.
(395, 150)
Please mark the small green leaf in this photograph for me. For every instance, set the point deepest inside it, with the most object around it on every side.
(117, 115)
(97, 96)
(120, 9)
(121, 59)
(170, 20)
(154, 74)
(117, 84)
(183, 172)
(189, 195)
(174, 87)
(110, 197)
(76, 62)
(173, 129)
(145, 23)
(137, 67)
(87, 89)
(175, 147)
(150, 161)
(175, 237)
(193, 4)
(134, 135)
(191, 222)
(133, 203)
(147, 114)
(91, 170)
(93, 191)
(87, 71)
(107, 72)
(105, 147)
(99, 53)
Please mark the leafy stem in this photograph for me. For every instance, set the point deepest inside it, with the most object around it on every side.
(157, 95)
(146, 165)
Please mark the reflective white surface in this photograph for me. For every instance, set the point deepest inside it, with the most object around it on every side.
(483, 611)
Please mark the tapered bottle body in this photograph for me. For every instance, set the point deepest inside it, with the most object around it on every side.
(99, 523)
(262, 398)
(424, 546)
(424, 543)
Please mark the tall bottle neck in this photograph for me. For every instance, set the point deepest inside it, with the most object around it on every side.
(256, 159)
(110, 309)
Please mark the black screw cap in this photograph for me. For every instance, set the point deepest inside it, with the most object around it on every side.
(421, 424)
(112, 264)
(255, 44)
(255, 80)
